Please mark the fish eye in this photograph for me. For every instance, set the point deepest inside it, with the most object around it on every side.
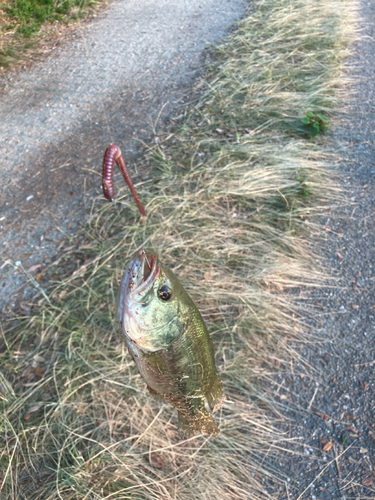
(165, 292)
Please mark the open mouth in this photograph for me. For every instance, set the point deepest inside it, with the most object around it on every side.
(145, 270)
(137, 281)
(149, 261)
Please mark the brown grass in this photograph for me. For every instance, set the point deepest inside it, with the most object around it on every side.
(229, 194)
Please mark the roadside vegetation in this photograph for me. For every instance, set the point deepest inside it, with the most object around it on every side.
(231, 189)
(22, 22)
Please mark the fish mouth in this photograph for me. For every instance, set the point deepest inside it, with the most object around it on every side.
(137, 282)
(143, 271)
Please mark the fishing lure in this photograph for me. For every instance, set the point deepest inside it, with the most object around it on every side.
(113, 154)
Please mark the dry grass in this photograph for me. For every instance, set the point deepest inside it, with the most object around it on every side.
(229, 192)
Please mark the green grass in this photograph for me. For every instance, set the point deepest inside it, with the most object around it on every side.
(27, 16)
(229, 193)
(24, 22)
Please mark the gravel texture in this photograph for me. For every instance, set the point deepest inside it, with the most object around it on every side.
(108, 82)
(333, 412)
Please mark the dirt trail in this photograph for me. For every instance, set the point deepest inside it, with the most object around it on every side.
(109, 83)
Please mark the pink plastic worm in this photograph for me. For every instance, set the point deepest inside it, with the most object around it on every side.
(113, 154)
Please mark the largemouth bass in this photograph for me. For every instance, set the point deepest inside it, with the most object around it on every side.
(169, 342)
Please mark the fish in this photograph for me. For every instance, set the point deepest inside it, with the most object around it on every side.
(169, 342)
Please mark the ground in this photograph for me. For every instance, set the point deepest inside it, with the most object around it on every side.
(82, 92)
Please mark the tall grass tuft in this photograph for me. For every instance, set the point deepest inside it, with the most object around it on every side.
(229, 193)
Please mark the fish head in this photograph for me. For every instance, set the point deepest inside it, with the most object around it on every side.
(150, 303)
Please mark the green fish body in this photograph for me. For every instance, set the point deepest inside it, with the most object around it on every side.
(169, 342)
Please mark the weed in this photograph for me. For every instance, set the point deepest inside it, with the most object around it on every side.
(315, 123)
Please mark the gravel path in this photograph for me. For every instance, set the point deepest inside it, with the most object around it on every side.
(333, 413)
(108, 83)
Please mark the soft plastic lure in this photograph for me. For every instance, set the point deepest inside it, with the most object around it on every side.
(113, 154)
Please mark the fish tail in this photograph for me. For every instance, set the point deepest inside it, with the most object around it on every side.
(202, 421)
